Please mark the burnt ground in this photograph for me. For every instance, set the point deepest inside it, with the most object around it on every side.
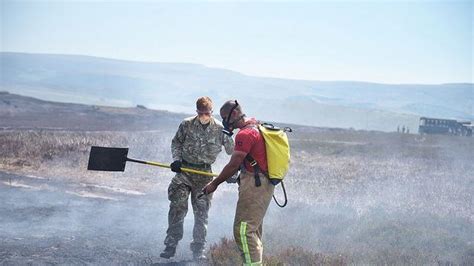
(374, 198)
(48, 222)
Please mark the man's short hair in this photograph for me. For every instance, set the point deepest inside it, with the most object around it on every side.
(204, 104)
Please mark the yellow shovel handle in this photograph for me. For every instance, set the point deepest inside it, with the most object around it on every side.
(182, 169)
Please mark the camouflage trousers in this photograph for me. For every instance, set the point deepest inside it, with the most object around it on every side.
(181, 187)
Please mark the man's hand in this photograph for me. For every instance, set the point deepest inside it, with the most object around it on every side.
(209, 188)
(176, 166)
(229, 169)
(233, 179)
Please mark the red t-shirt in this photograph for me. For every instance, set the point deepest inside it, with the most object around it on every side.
(250, 141)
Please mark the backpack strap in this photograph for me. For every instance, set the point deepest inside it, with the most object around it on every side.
(253, 162)
(256, 169)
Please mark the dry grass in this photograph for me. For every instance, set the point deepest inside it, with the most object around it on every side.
(375, 198)
(64, 155)
(226, 253)
(31, 148)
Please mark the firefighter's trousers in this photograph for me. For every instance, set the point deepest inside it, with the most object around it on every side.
(251, 208)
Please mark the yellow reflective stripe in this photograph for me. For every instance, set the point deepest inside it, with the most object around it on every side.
(253, 264)
(245, 246)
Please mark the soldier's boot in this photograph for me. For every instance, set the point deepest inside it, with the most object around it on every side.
(168, 252)
(199, 255)
(198, 251)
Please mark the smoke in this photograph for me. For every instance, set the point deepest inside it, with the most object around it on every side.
(380, 199)
(375, 198)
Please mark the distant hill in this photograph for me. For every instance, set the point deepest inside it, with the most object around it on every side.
(20, 112)
(175, 87)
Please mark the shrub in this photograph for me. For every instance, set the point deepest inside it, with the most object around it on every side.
(226, 253)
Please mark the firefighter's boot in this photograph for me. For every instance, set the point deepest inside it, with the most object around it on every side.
(168, 252)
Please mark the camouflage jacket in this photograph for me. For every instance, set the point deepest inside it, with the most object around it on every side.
(197, 144)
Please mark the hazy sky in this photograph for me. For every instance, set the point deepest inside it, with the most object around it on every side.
(380, 41)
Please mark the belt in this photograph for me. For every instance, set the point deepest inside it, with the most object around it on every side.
(197, 165)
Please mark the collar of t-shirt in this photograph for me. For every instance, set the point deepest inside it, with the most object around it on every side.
(251, 122)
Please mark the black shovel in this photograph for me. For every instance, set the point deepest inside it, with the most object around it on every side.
(114, 159)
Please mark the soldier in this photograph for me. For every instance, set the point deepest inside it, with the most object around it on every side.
(197, 143)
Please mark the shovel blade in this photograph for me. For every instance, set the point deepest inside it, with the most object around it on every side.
(107, 159)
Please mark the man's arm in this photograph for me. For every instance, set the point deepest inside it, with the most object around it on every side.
(177, 143)
(231, 167)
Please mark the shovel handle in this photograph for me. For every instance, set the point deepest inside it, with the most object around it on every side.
(189, 170)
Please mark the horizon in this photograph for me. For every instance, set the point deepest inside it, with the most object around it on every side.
(418, 42)
(174, 87)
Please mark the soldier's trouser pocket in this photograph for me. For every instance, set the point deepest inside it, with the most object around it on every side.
(178, 191)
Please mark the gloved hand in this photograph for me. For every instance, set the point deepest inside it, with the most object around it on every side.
(176, 166)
